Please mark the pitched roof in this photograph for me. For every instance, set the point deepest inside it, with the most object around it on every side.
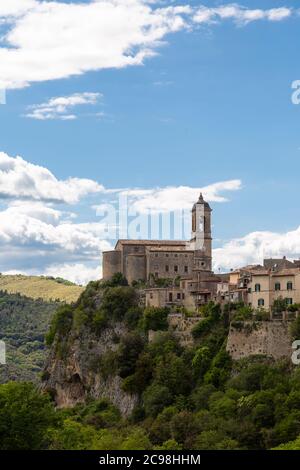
(158, 243)
(278, 263)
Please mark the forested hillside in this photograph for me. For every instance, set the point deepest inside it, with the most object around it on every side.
(168, 396)
(23, 324)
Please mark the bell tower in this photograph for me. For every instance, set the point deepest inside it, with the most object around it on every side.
(201, 241)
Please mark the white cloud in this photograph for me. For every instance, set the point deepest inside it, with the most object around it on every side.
(15, 7)
(256, 246)
(23, 180)
(55, 40)
(240, 14)
(79, 273)
(59, 108)
(19, 227)
(172, 198)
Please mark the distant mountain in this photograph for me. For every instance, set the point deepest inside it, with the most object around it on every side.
(41, 287)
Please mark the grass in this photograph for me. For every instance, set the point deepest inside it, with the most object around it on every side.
(37, 287)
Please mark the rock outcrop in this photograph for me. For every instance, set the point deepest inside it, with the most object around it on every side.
(76, 375)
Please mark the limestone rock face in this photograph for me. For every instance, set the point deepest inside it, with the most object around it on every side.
(76, 375)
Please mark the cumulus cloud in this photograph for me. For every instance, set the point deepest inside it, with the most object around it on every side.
(55, 40)
(24, 180)
(78, 273)
(37, 241)
(60, 107)
(13, 8)
(20, 228)
(171, 198)
(256, 246)
(240, 14)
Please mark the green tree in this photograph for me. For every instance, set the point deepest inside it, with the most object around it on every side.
(156, 397)
(117, 301)
(25, 416)
(130, 347)
(155, 318)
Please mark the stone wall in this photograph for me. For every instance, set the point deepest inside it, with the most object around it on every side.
(170, 264)
(250, 338)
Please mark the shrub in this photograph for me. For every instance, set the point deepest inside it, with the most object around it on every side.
(155, 318)
(61, 323)
(117, 301)
(129, 350)
(156, 397)
(25, 416)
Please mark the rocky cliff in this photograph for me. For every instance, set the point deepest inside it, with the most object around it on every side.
(80, 365)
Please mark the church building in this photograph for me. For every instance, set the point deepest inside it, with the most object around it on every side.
(187, 264)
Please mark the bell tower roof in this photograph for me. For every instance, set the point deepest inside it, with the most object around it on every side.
(202, 201)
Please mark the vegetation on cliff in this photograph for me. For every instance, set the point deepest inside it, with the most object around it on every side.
(189, 397)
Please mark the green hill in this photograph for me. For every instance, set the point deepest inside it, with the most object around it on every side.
(40, 287)
(23, 324)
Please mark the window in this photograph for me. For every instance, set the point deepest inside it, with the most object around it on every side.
(249, 290)
(178, 296)
(277, 286)
(289, 286)
(176, 255)
(183, 284)
(167, 268)
(170, 297)
(183, 296)
(167, 255)
(261, 302)
(156, 255)
(289, 301)
(156, 275)
(151, 295)
(257, 287)
(175, 269)
(136, 248)
(186, 269)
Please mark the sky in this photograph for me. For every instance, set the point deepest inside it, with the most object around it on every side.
(151, 101)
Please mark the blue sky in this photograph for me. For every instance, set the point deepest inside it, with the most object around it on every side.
(213, 105)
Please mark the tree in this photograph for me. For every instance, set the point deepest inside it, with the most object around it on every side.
(25, 416)
(184, 428)
(117, 280)
(201, 361)
(73, 436)
(155, 318)
(130, 348)
(172, 372)
(156, 397)
(117, 301)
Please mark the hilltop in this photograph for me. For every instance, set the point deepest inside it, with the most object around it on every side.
(40, 287)
(27, 304)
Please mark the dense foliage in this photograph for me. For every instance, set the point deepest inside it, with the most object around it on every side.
(191, 397)
(23, 324)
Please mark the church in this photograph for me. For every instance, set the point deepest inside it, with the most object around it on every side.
(186, 264)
